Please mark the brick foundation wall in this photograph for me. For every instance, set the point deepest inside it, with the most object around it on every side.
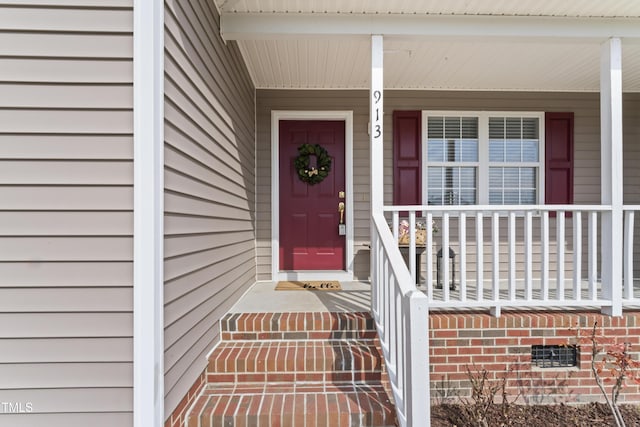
(502, 346)
(178, 416)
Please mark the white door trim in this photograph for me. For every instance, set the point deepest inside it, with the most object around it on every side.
(347, 117)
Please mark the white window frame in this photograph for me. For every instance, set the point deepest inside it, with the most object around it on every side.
(483, 164)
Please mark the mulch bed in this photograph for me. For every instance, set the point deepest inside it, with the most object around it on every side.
(560, 415)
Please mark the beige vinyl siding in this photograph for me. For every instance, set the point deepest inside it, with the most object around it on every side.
(66, 220)
(586, 107)
(209, 188)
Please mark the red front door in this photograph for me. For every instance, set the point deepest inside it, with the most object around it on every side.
(309, 216)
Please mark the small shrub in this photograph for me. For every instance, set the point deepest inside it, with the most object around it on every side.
(611, 362)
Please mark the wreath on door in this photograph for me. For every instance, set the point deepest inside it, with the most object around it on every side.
(312, 174)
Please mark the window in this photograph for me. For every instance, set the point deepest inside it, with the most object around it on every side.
(452, 153)
(514, 155)
(483, 158)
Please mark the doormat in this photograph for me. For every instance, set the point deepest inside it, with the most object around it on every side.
(309, 285)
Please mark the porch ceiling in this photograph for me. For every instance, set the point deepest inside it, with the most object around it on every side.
(319, 44)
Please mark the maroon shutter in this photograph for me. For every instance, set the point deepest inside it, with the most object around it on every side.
(559, 158)
(407, 174)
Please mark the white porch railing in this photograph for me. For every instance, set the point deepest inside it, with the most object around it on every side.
(402, 319)
(513, 256)
(507, 257)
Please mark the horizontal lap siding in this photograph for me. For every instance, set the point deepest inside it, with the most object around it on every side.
(209, 188)
(586, 107)
(66, 211)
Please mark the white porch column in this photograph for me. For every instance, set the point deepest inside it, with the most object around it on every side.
(376, 118)
(611, 172)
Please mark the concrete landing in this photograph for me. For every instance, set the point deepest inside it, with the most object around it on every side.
(262, 297)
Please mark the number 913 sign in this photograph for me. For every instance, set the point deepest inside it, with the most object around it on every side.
(377, 126)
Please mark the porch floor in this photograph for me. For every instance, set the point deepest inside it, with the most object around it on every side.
(262, 297)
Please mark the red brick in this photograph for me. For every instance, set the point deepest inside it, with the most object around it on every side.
(444, 368)
(518, 332)
(506, 341)
(446, 334)
(470, 350)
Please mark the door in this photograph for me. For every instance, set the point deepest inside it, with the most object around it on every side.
(309, 213)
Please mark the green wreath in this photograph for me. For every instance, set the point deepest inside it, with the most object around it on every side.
(312, 175)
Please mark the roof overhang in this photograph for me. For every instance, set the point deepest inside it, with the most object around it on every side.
(275, 26)
(315, 49)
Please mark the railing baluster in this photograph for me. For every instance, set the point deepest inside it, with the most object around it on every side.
(375, 272)
(386, 297)
(628, 253)
(429, 256)
(593, 255)
(398, 338)
(495, 240)
(462, 231)
(396, 225)
(412, 244)
(391, 308)
(528, 256)
(444, 261)
(479, 256)
(577, 256)
(545, 255)
(512, 255)
(560, 255)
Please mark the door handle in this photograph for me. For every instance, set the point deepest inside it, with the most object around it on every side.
(341, 210)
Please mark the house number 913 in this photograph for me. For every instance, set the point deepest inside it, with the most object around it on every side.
(377, 128)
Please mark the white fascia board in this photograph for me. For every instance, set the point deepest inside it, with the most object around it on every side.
(148, 211)
(274, 26)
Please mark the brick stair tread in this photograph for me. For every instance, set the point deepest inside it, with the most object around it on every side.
(274, 326)
(295, 361)
(293, 404)
(296, 356)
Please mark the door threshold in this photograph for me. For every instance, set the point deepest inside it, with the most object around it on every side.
(341, 275)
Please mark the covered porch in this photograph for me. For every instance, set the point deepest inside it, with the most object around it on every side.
(466, 59)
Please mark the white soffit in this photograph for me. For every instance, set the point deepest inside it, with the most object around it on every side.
(522, 65)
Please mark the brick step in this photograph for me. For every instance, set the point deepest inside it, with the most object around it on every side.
(297, 326)
(295, 361)
(304, 405)
(295, 369)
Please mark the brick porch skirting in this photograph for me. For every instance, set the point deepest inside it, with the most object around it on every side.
(502, 346)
